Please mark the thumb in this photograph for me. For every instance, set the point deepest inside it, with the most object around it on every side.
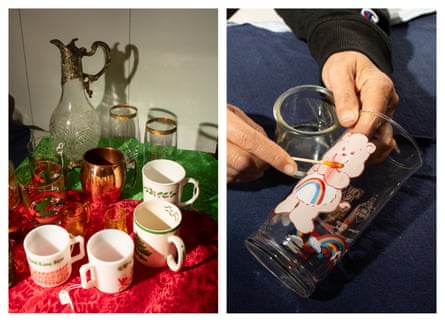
(338, 75)
(346, 102)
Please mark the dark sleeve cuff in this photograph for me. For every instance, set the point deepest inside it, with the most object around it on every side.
(328, 33)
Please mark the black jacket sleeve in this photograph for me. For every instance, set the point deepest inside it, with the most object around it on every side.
(328, 31)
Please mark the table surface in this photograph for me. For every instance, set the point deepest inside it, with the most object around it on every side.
(392, 267)
(193, 289)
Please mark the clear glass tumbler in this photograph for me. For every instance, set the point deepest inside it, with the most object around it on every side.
(124, 129)
(309, 231)
(306, 123)
(160, 141)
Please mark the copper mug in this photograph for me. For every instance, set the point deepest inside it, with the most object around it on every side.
(103, 174)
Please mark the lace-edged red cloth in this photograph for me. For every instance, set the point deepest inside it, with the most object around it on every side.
(194, 289)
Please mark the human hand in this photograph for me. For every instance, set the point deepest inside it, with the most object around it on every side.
(250, 151)
(357, 85)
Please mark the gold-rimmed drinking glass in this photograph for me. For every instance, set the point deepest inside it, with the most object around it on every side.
(160, 141)
(124, 129)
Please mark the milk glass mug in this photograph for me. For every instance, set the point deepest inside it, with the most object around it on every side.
(48, 251)
(166, 179)
(306, 123)
(110, 261)
(308, 232)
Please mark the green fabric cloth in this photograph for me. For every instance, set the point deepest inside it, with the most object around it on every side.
(202, 166)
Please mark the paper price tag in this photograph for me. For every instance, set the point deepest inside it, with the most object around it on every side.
(64, 295)
(65, 298)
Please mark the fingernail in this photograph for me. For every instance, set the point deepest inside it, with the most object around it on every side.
(347, 116)
(290, 169)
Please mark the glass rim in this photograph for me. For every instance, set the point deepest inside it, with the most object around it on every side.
(107, 150)
(164, 120)
(91, 246)
(301, 88)
(33, 165)
(62, 232)
(116, 116)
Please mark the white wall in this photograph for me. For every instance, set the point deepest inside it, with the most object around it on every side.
(174, 55)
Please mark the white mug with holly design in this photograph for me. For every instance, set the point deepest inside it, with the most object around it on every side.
(166, 179)
(156, 226)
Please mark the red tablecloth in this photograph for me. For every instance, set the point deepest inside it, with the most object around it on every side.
(194, 289)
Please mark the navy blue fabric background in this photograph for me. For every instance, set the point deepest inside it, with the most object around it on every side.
(392, 267)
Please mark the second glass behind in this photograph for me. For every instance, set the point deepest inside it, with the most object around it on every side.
(160, 141)
(306, 123)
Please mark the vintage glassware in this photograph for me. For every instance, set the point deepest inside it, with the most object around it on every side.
(308, 232)
(44, 147)
(124, 129)
(115, 217)
(43, 191)
(167, 180)
(50, 252)
(103, 174)
(74, 119)
(306, 123)
(161, 133)
(75, 217)
(156, 227)
(110, 261)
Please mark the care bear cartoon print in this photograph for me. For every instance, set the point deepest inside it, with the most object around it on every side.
(321, 189)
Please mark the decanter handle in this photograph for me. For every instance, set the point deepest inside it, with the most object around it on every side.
(91, 78)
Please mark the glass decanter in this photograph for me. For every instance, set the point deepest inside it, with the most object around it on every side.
(74, 120)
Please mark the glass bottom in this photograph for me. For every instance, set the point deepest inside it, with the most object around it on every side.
(278, 261)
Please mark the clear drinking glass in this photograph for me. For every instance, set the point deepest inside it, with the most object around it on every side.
(115, 217)
(43, 191)
(160, 141)
(124, 129)
(306, 123)
(46, 147)
(308, 232)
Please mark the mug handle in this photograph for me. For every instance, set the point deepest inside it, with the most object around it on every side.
(78, 239)
(180, 250)
(83, 275)
(195, 192)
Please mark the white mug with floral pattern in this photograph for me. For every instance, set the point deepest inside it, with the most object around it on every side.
(165, 179)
